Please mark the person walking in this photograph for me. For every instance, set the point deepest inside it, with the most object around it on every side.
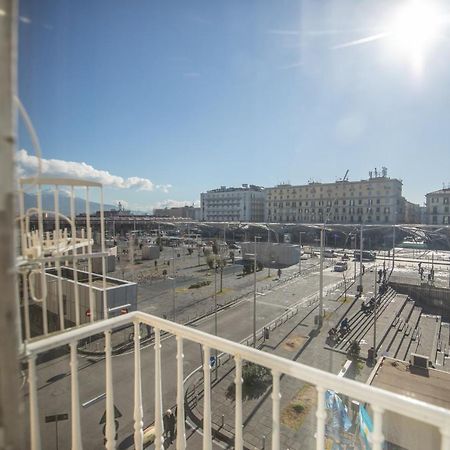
(169, 425)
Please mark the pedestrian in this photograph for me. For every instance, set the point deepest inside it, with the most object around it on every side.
(279, 273)
(169, 418)
(363, 269)
(166, 424)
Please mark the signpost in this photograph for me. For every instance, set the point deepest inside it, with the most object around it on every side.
(56, 418)
(117, 414)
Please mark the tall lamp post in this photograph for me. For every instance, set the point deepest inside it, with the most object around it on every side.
(375, 317)
(215, 316)
(173, 286)
(254, 294)
(319, 323)
(269, 248)
(393, 247)
(300, 251)
(361, 248)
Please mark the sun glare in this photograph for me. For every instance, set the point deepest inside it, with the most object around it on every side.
(414, 29)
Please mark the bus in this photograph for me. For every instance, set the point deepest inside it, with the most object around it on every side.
(366, 255)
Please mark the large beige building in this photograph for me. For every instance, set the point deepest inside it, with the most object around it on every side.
(377, 200)
(438, 207)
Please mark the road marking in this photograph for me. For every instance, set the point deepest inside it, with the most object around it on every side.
(93, 400)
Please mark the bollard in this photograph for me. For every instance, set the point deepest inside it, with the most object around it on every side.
(263, 446)
(223, 420)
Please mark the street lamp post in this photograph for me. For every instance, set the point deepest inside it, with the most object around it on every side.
(269, 249)
(361, 247)
(321, 279)
(215, 316)
(173, 285)
(393, 247)
(300, 252)
(375, 317)
(254, 295)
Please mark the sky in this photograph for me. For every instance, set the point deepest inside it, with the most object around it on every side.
(162, 100)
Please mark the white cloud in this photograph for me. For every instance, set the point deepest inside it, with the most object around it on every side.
(164, 187)
(27, 165)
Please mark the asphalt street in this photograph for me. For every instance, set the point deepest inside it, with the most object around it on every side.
(234, 323)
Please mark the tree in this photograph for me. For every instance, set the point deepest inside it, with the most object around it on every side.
(354, 351)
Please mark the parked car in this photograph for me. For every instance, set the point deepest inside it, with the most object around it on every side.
(340, 266)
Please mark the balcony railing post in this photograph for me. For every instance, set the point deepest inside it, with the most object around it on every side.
(445, 436)
(207, 435)
(110, 419)
(35, 433)
(75, 398)
(159, 440)
(276, 396)
(238, 441)
(181, 431)
(321, 415)
(377, 436)
(138, 422)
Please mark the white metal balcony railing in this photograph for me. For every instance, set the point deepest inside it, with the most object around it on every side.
(64, 245)
(379, 400)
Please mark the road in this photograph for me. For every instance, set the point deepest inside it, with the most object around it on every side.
(234, 323)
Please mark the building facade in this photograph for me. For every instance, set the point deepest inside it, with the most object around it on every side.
(412, 212)
(184, 212)
(376, 200)
(438, 207)
(244, 204)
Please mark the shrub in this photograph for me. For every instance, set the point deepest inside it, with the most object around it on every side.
(210, 260)
(354, 350)
(199, 284)
(253, 374)
(298, 407)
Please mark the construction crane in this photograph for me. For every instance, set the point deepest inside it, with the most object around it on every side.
(346, 176)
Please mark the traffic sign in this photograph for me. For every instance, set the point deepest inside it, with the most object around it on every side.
(56, 418)
(117, 414)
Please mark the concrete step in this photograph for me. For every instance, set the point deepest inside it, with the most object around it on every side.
(401, 329)
(440, 358)
(385, 317)
(444, 337)
(364, 322)
(403, 350)
(393, 310)
(427, 337)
